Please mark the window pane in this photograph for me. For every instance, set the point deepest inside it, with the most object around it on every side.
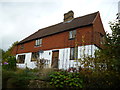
(74, 33)
(70, 34)
(35, 56)
(38, 42)
(21, 58)
(76, 53)
(73, 53)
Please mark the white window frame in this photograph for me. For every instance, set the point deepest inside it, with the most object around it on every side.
(72, 34)
(21, 59)
(38, 42)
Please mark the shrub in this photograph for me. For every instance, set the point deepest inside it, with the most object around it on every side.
(39, 84)
(10, 64)
(45, 74)
(66, 79)
(18, 79)
(103, 79)
(6, 75)
(43, 78)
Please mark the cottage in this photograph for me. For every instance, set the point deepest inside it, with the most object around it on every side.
(63, 43)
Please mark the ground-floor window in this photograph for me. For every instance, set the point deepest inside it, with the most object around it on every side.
(73, 53)
(34, 56)
(21, 59)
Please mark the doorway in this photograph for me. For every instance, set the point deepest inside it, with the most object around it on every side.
(55, 57)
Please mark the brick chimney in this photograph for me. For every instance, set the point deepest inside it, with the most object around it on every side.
(68, 16)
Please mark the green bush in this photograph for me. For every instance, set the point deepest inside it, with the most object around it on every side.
(10, 64)
(66, 79)
(6, 75)
(44, 74)
(18, 79)
(101, 79)
(39, 84)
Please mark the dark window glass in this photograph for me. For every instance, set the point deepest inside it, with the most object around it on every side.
(21, 59)
(73, 53)
(35, 56)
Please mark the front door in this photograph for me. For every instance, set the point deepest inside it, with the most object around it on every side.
(55, 57)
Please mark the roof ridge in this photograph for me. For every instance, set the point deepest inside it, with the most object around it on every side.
(72, 20)
(87, 15)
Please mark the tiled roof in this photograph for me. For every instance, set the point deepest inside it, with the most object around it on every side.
(61, 27)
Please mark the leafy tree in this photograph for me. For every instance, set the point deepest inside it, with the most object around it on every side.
(9, 61)
(113, 44)
(7, 53)
(109, 55)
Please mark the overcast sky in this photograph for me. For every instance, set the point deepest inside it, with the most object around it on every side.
(20, 18)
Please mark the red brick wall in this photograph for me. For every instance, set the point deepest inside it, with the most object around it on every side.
(61, 40)
(98, 28)
(58, 41)
(14, 50)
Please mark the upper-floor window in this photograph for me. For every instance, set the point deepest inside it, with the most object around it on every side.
(22, 46)
(73, 53)
(72, 34)
(38, 42)
(102, 39)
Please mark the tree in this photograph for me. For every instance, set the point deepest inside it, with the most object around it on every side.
(113, 43)
(109, 55)
(9, 61)
(7, 53)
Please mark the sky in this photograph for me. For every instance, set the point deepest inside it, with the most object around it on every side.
(21, 18)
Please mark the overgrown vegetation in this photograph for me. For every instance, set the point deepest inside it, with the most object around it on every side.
(66, 79)
(17, 79)
(110, 55)
(10, 63)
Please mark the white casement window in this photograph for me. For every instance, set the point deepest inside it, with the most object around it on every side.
(73, 53)
(72, 34)
(35, 56)
(21, 59)
(38, 42)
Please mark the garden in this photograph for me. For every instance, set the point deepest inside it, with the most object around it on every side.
(85, 78)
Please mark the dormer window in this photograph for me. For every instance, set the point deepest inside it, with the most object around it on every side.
(72, 34)
(38, 42)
